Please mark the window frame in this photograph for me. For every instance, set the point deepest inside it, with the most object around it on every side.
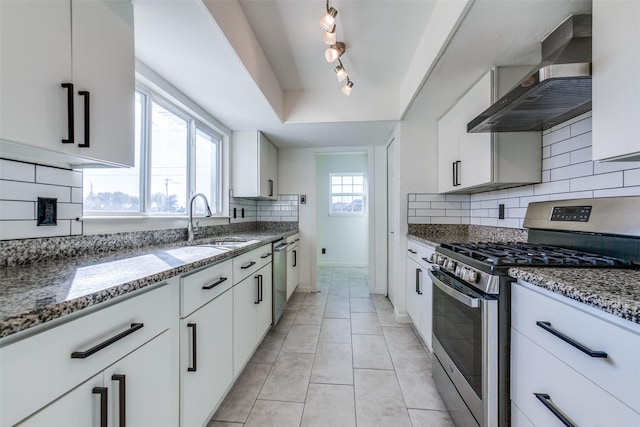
(363, 195)
(148, 97)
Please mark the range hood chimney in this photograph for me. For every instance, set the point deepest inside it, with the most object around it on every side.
(556, 90)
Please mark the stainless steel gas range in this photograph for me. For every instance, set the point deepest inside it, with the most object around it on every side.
(471, 295)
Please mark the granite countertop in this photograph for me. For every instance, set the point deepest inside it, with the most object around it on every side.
(615, 291)
(38, 293)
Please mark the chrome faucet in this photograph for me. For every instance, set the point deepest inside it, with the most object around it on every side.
(191, 231)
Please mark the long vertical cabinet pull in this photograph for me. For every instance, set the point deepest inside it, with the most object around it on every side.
(122, 400)
(87, 120)
(546, 401)
(295, 258)
(418, 273)
(453, 179)
(257, 301)
(70, 114)
(102, 391)
(270, 187)
(194, 360)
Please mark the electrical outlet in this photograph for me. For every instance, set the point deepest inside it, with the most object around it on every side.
(303, 199)
(47, 211)
(501, 211)
(324, 251)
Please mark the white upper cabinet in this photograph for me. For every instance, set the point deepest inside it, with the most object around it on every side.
(46, 44)
(255, 166)
(616, 135)
(474, 162)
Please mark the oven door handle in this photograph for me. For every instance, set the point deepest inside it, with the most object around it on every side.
(458, 296)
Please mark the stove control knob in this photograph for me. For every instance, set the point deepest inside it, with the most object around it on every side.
(440, 260)
(433, 258)
(472, 276)
(450, 265)
(459, 271)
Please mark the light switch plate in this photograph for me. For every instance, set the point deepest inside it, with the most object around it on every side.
(303, 199)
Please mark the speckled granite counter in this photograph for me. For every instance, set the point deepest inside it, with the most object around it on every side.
(34, 294)
(614, 291)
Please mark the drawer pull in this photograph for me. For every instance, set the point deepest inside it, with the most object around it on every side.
(546, 401)
(266, 255)
(87, 118)
(247, 265)
(418, 274)
(593, 353)
(214, 284)
(102, 391)
(70, 114)
(412, 251)
(258, 287)
(194, 361)
(122, 401)
(84, 354)
(425, 259)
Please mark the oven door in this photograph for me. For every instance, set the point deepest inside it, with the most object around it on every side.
(465, 343)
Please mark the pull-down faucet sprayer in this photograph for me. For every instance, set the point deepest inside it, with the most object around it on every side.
(191, 231)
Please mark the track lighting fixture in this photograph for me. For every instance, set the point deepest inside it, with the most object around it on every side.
(341, 73)
(336, 49)
(328, 21)
(346, 89)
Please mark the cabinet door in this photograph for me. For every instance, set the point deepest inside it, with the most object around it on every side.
(476, 151)
(266, 181)
(447, 152)
(273, 169)
(245, 299)
(103, 64)
(426, 309)
(35, 59)
(206, 375)
(415, 281)
(78, 408)
(615, 87)
(293, 270)
(145, 383)
(265, 308)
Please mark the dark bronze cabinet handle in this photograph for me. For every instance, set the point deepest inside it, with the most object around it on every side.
(546, 401)
(194, 360)
(412, 251)
(454, 173)
(295, 258)
(260, 294)
(84, 354)
(418, 272)
(257, 301)
(593, 353)
(214, 284)
(270, 187)
(102, 391)
(247, 265)
(266, 255)
(70, 114)
(87, 120)
(122, 400)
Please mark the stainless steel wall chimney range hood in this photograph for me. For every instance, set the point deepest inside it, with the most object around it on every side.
(556, 90)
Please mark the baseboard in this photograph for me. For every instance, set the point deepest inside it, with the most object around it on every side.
(303, 289)
(402, 318)
(341, 264)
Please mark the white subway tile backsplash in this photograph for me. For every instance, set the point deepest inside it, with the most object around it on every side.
(580, 141)
(551, 187)
(446, 220)
(430, 212)
(445, 205)
(604, 167)
(412, 197)
(556, 161)
(617, 192)
(573, 171)
(11, 210)
(56, 176)
(28, 230)
(523, 191)
(546, 176)
(419, 220)
(27, 191)
(69, 211)
(580, 127)
(561, 134)
(419, 205)
(430, 198)
(581, 155)
(597, 182)
(546, 151)
(480, 213)
(509, 222)
(76, 228)
(457, 212)
(457, 197)
(489, 204)
(17, 171)
(631, 177)
(76, 195)
(493, 222)
(524, 201)
(515, 212)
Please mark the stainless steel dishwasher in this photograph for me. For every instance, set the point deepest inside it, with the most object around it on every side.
(279, 279)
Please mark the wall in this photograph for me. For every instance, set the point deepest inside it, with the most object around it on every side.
(20, 186)
(285, 209)
(567, 173)
(346, 238)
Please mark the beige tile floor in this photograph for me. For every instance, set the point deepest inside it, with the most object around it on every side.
(336, 358)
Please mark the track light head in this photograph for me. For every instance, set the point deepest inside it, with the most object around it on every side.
(334, 52)
(329, 37)
(341, 73)
(348, 87)
(328, 21)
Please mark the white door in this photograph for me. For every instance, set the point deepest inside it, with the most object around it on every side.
(245, 299)
(391, 219)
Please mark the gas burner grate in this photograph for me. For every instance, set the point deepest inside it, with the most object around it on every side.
(506, 254)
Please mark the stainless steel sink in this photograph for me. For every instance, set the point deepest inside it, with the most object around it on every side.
(228, 244)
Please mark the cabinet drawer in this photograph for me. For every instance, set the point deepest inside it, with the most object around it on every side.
(246, 264)
(618, 373)
(41, 368)
(417, 251)
(535, 370)
(202, 286)
(293, 239)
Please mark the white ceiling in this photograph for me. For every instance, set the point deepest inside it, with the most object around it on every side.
(259, 64)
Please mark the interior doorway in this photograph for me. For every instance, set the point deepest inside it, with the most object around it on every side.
(391, 216)
(342, 209)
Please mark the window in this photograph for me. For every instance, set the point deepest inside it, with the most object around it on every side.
(176, 155)
(347, 194)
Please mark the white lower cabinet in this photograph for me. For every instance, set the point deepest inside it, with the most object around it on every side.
(49, 364)
(293, 263)
(568, 360)
(419, 289)
(206, 362)
(252, 314)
